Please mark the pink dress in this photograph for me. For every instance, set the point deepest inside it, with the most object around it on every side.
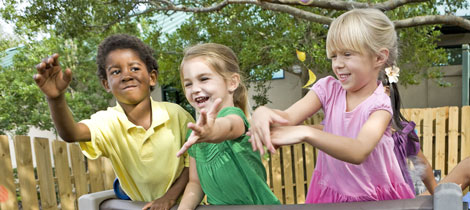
(379, 176)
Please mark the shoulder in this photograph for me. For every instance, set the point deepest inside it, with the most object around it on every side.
(326, 85)
(231, 110)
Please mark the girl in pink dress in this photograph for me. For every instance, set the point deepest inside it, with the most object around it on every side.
(356, 161)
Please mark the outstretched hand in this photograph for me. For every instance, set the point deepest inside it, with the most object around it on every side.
(203, 128)
(262, 121)
(50, 78)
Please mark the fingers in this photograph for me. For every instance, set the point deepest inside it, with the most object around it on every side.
(191, 140)
(196, 128)
(275, 118)
(202, 118)
(214, 109)
(67, 76)
(148, 205)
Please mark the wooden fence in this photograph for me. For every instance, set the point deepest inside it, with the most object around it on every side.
(444, 134)
(58, 187)
(445, 140)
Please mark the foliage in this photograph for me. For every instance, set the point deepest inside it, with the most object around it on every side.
(264, 40)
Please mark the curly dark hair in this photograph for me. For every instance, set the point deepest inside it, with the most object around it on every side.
(124, 41)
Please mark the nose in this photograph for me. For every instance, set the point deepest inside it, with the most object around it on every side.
(195, 88)
(126, 74)
(337, 63)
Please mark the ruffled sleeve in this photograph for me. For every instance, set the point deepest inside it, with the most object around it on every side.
(325, 88)
(383, 102)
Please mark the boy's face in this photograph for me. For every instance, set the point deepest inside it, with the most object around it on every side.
(127, 76)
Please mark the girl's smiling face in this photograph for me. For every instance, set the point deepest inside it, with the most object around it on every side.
(355, 71)
(202, 85)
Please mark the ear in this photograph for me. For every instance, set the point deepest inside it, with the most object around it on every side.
(233, 82)
(105, 84)
(382, 57)
(153, 77)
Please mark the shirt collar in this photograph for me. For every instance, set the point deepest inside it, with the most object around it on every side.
(159, 115)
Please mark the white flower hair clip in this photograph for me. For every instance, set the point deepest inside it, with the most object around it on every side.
(392, 73)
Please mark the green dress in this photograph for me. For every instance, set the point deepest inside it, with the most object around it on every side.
(230, 172)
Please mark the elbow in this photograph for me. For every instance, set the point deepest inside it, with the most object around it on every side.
(67, 138)
(358, 159)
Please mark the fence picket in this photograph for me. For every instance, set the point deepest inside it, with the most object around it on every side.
(299, 174)
(78, 170)
(277, 176)
(268, 171)
(465, 136)
(8, 188)
(428, 135)
(453, 132)
(24, 162)
(67, 198)
(45, 174)
(309, 162)
(440, 142)
(108, 173)
(96, 178)
(288, 174)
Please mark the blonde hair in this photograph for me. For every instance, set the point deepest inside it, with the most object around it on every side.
(222, 60)
(365, 31)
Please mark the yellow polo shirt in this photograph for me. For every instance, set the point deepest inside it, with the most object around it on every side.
(144, 160)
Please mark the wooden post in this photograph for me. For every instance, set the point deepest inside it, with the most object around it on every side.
(440, 143)
(96, 177)
(24, 162)
(453, 133)
(288, 174)
(7, 185)
(299, 174)
(78, 170)
(67, 198)
(277, 176)
(465, 75)
(45, 176)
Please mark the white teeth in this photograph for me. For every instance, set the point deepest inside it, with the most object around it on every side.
(201, 99)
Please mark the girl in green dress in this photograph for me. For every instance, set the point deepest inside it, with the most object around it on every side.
(222, 164)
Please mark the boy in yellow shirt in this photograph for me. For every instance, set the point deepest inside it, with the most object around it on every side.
(139, 135)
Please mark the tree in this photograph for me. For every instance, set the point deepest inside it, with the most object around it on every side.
(264, 34)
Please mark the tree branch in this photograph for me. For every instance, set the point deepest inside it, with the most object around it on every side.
(433, 19)
(346, 5)
(296, 12)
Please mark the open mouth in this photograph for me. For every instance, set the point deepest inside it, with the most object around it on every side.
(343, 77)
(201, 99)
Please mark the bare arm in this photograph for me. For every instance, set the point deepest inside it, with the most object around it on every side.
(352, 150)
(193, 193)
(171, 196)
(264, 118)
(53, 82)
(211, 129)
(428, 176)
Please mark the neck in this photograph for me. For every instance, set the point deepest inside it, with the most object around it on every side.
(354, 98)
(140, 114)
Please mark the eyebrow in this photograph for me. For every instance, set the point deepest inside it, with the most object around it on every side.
(200, 75)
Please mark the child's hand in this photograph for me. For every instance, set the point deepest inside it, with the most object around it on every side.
(161, 203)
(287, 135)
(263, 118)
(203, 128)
(50, 78)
